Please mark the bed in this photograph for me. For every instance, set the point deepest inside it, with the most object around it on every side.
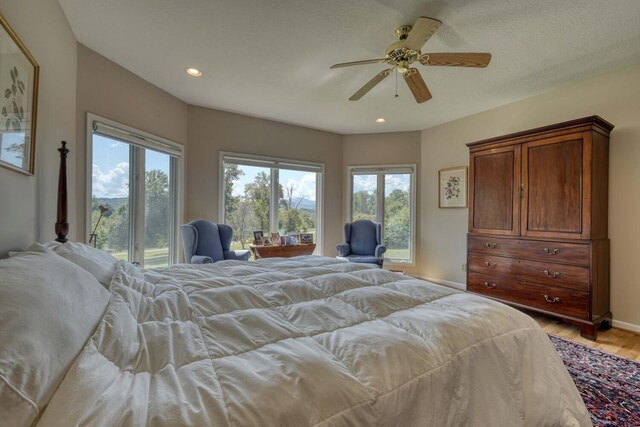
(305, 341)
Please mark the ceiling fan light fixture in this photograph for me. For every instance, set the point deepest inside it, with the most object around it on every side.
(380, 120)
(193, 72)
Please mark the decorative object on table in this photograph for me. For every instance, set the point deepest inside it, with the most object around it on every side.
(266, 241)
(362, 243)
(608, 384)
(257, 237)
(452, 187)
(205, 242)
(275, 236)
(282, 240)
(292, 239)
(19, 74)
(306, 238)
(62, 223)
(281, 251)
(104, 212)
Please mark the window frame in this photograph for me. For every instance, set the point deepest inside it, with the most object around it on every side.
(275, 164)
(138, 141)
(380, 171)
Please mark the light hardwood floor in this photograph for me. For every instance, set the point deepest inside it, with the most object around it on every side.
(616, 341)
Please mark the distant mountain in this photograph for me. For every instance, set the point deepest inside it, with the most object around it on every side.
(112, 202)
(304, 203)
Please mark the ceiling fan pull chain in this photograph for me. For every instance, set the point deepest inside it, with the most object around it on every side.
(396, 82)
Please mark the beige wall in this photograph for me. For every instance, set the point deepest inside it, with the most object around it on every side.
(614, 96)
(393, 148)
(28, 207)
(212, 131)
(108, 90)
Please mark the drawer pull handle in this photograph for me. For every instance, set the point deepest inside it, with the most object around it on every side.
(491, 285)
(554, 275)
(551, 251)
(490, 245)
(491, 264)
(551, 300)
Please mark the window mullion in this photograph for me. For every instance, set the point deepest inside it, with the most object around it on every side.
(138, 195)
(380, 197)
(275, 199)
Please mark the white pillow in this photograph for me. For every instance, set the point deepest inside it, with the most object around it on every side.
(99, 263)
(49, 308)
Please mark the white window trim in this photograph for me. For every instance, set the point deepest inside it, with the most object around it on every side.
(147, 140)
(387, 169)
(275, 162)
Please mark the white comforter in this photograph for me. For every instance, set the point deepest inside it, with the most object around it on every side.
(310, 341)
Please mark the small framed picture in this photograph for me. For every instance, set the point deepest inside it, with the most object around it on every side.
(306, 238)
(292, 239)
(282, 240)
(257, 237)
(452, 187)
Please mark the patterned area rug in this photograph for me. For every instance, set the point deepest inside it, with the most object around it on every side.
(608, 384)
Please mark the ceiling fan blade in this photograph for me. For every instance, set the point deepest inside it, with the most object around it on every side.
(478, 60)
(422, 31)
(370, 84)
(349, 64)
(417, 85)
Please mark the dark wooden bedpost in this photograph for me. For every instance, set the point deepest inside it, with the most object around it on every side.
(62, 226)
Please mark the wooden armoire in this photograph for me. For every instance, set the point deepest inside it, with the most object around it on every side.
(538, 206)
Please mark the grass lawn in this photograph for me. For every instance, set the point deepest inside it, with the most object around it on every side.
(153, 257)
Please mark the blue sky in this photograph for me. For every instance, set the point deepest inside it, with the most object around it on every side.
(111, 166)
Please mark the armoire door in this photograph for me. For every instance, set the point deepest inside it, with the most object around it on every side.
(494, 191)
(556, 187)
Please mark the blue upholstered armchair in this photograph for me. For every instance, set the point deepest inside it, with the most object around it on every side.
(205, 242)
(362, 242)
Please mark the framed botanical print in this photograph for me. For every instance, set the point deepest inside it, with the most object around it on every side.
(19, 74)
(452, 190)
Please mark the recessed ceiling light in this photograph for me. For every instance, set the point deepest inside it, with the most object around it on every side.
(193, 72)
(380, 120)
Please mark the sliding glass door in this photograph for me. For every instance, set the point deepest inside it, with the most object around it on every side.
(134, 198)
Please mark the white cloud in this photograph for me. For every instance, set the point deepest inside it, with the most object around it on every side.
(304, 187)
(396, 182)
(368, 183)
(113, 183)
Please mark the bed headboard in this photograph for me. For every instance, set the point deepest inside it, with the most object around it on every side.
(62, 225)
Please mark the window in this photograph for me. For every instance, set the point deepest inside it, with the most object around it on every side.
(135, 176)
(272, 195)
(386, 194)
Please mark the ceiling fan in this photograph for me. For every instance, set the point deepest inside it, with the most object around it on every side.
(406, 51)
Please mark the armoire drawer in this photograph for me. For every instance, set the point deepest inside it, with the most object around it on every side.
(572, 253)
(565, 275)
(557, 300)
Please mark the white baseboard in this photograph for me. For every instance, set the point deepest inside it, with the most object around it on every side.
(631, 327)
(455, 285)
(626, 326)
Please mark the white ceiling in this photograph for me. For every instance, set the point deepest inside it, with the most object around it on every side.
(271, 58)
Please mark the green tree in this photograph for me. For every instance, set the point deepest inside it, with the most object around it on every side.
(156, 209)
(242, 220)
(232, 173)
(397, 225)
(258, 192)
(364, 205)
